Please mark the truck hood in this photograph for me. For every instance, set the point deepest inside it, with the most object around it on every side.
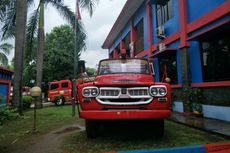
(124, 80)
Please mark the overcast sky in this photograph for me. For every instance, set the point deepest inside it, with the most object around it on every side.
(97, 27)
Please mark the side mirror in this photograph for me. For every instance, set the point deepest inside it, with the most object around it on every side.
(152, 68)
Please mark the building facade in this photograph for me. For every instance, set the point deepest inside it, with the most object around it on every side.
(5, 85)
(188, 39)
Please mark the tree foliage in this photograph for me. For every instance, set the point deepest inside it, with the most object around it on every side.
(59, 54)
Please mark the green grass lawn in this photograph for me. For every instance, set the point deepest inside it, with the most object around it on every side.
(16, 133)
(111, 140)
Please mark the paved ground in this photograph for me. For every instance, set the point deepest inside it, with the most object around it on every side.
(216, 126)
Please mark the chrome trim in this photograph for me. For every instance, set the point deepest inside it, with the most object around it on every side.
(145, 98)
(139, 96)
(109, 88)
(158, 86)
(91, 87)
(124, 103)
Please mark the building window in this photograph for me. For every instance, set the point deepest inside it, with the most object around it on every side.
(139, 44)
(164, 12)
(168, 66)
(215, 56)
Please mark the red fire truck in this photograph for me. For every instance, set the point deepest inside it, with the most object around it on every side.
(60, 92)
(124, 89)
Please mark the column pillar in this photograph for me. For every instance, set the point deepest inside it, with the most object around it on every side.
(150, 29)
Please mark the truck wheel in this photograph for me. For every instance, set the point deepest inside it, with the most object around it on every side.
(60, 101)
(159, 128)
(92, 128)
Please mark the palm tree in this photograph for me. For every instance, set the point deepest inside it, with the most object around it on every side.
(20, 37)
(36, 24)
(5, 49)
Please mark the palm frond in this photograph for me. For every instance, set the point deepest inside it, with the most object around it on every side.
(5, 5)
(8, 28)
(63, 10)
(89, 5)
(32, 28)
(3, 59)
(6, 48)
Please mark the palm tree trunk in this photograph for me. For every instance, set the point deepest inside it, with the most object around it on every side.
(20, 37)
(41, 37)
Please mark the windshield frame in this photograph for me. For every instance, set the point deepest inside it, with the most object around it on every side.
(149, 69)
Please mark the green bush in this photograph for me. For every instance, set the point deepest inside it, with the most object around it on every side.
(26, 102)
(7, 113)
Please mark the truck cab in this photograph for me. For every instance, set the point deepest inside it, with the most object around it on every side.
(124, 89)
(60, 92)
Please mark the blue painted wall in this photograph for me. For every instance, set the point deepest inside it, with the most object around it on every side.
(171, 26)
(197, 8)
(115, 44)
(126, 30)
(3, 94)
(141, 14)
(195, 62)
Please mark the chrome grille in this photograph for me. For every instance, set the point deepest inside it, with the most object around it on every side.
(109, 92)
(138, 92)
(124, 96)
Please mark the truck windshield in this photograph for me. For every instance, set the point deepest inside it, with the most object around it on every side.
(123, 66)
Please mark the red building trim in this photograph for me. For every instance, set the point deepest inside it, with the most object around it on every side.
(183, 23)
(176, 86)
(212, 84)
(165, 50)
(8, 82)
(209, 17)
(143, 53)
(149, 25)
(209, 29)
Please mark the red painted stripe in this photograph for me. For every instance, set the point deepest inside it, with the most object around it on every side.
(150, 29)
(211, 16)
(165, 50)
(143, 53)
(209, 29)
(176, 86)
(183, 23)
(218, 148)
(169, 39)
(211, 84)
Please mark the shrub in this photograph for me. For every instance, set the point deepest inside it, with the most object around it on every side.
(26, 101)
(7, 113)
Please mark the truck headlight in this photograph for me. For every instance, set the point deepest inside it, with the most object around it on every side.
(158, 91)
(162, 91)
(90, 92)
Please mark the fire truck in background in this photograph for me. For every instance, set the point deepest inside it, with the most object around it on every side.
(60, 91)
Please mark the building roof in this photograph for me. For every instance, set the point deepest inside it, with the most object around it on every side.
(127, 12)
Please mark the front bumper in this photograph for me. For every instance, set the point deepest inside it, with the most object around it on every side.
(124, 114)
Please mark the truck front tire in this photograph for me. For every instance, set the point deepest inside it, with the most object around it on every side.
(92, 128)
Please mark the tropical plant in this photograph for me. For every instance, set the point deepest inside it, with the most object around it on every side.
(59, 52)
(36, 26)
(5, 50)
